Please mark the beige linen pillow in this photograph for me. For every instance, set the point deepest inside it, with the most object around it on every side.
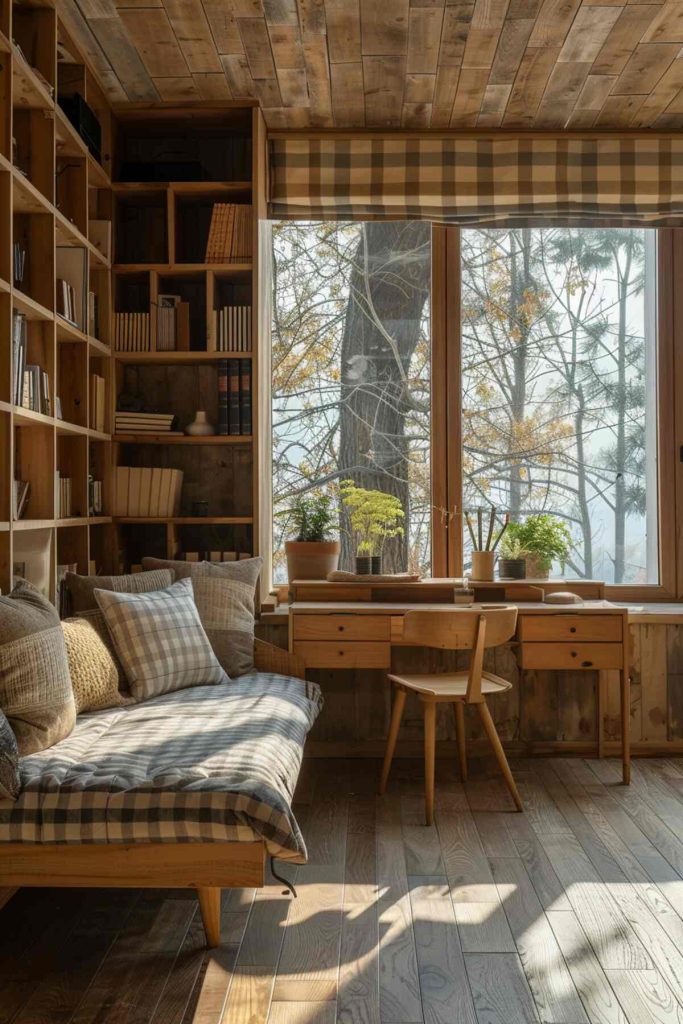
(94, 672)
(160, 640)
(224, 593)
(35, 686)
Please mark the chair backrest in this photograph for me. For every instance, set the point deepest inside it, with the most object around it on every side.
(457, 629)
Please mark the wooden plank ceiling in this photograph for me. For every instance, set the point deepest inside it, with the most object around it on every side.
(415, 64)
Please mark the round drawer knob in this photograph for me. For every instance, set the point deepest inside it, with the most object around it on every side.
(340, 628)
(573, 654)
(586, 664)
(572, 629)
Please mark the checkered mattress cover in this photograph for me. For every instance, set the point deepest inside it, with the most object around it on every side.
(205, 764)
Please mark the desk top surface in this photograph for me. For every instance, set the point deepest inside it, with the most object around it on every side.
(382, 608)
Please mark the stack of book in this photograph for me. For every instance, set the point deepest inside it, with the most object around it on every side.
(234, 396)
(21, 490)
(36, 390)
(95, 505)
(147, 491)
(229, 233)
(66, 301)
(19, 342)
(232, 328)
(63, 488)
(173, 324)
(145, 423)
(131, 332)
(97, 402)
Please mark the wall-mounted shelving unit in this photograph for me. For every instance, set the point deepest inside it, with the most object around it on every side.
(49, 185)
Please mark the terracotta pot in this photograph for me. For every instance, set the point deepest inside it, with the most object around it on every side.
(311, 560)
(534, 570)
(482, 565)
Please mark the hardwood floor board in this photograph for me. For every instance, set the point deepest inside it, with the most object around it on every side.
(428, 887)
(399, 988)
(422, 850)
(176, 996)
(249, 996)
(499, 988)
(360, 872)
(494, 835)
(592, 984)
(541, 811)
(467, 868)
(392, 877)
(444, 987)
(310, 947)
(210, 992)
(263, 935)
(548, 887)
(358, 986)
(645, 997)
(483, 928)
(304, 991)
(549, 979)
(609, 932)
(302, 1013)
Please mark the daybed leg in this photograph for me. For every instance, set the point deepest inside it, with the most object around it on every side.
(210, 906)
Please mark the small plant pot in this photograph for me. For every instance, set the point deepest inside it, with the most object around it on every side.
(376, 567)
(535, 569)
(512, 568)
(482, 565)
(311, 560)
(363, 565)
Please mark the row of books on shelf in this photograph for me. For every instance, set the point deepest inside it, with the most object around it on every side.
(98, 402)
(131, 332)
(232, 328)
(66, 302)
(147, 491)
(229, 233)
(95, 499)
(63, 493)
(173, 324)
(145, 423)
(234, 397)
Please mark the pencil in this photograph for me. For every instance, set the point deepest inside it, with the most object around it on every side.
(479, 528)
(492, 520)
(469, 527)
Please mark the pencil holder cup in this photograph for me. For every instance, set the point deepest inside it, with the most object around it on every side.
(482, 565)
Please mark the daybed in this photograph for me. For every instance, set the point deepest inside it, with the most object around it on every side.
(189, 789)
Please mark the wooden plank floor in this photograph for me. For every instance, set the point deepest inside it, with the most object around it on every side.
(568, 914)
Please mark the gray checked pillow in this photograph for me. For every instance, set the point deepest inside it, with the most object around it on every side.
(35, 685)
(159, 640)
(80, 590)
(10, 784)
(224, 592)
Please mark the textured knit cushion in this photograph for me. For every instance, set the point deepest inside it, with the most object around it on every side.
(94, 672)
(224, 592)
(35, 687)
(10, 784)
(80, 589)
(160, 640)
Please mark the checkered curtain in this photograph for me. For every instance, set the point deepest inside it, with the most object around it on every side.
(480, 180)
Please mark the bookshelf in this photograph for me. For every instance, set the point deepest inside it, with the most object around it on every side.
(51, 190)
(161, 231)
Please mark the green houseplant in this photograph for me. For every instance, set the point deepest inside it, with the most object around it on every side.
(374, 517)
(545, 539)
(311, 555)
(513, 555)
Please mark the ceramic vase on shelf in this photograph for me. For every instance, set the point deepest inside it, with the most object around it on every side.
(200, 426)
(482, 565)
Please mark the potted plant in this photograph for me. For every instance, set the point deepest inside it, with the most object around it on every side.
(512, 560)
(374, 517)
(546, 539)
(312, 555)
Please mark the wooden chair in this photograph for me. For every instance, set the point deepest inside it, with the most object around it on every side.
(458, 630)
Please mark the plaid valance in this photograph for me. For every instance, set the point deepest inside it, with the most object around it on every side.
(480, 179)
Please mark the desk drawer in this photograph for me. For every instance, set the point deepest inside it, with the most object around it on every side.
(344, 655)
(573, 628)
(571, 656)
(342, 627)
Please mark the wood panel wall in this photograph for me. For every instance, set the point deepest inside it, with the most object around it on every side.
(544, 712)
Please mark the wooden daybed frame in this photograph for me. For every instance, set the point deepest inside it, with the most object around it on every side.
(206, 867)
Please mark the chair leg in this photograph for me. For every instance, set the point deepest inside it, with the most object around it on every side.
(396, 715)
(430, 756)
(502, 760)
(210, 906)
(460, 737)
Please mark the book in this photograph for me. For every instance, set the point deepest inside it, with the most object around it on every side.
(233, 397)
(131, 332)
(245, 395)
(97, 402)
(19, 345)
(232, 328)
(223, 415)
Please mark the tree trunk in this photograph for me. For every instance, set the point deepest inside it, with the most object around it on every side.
(389, 286)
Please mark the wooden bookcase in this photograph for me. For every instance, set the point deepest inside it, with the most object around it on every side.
(51, 190)
(160, 234)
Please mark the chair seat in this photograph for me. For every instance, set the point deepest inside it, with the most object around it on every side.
(451, 685)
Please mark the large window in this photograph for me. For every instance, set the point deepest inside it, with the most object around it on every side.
(559, 381)
(517, 368)
(351, 375)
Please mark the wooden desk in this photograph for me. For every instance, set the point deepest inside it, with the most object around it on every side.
(592, 636)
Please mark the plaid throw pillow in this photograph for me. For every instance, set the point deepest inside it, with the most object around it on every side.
(224, 593)
(10, 783)
(160, 640)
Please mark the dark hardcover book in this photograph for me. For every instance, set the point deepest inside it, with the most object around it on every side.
(223, 415)
(245, 396)
(233, 397)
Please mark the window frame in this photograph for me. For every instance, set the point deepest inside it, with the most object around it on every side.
(446, 419)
